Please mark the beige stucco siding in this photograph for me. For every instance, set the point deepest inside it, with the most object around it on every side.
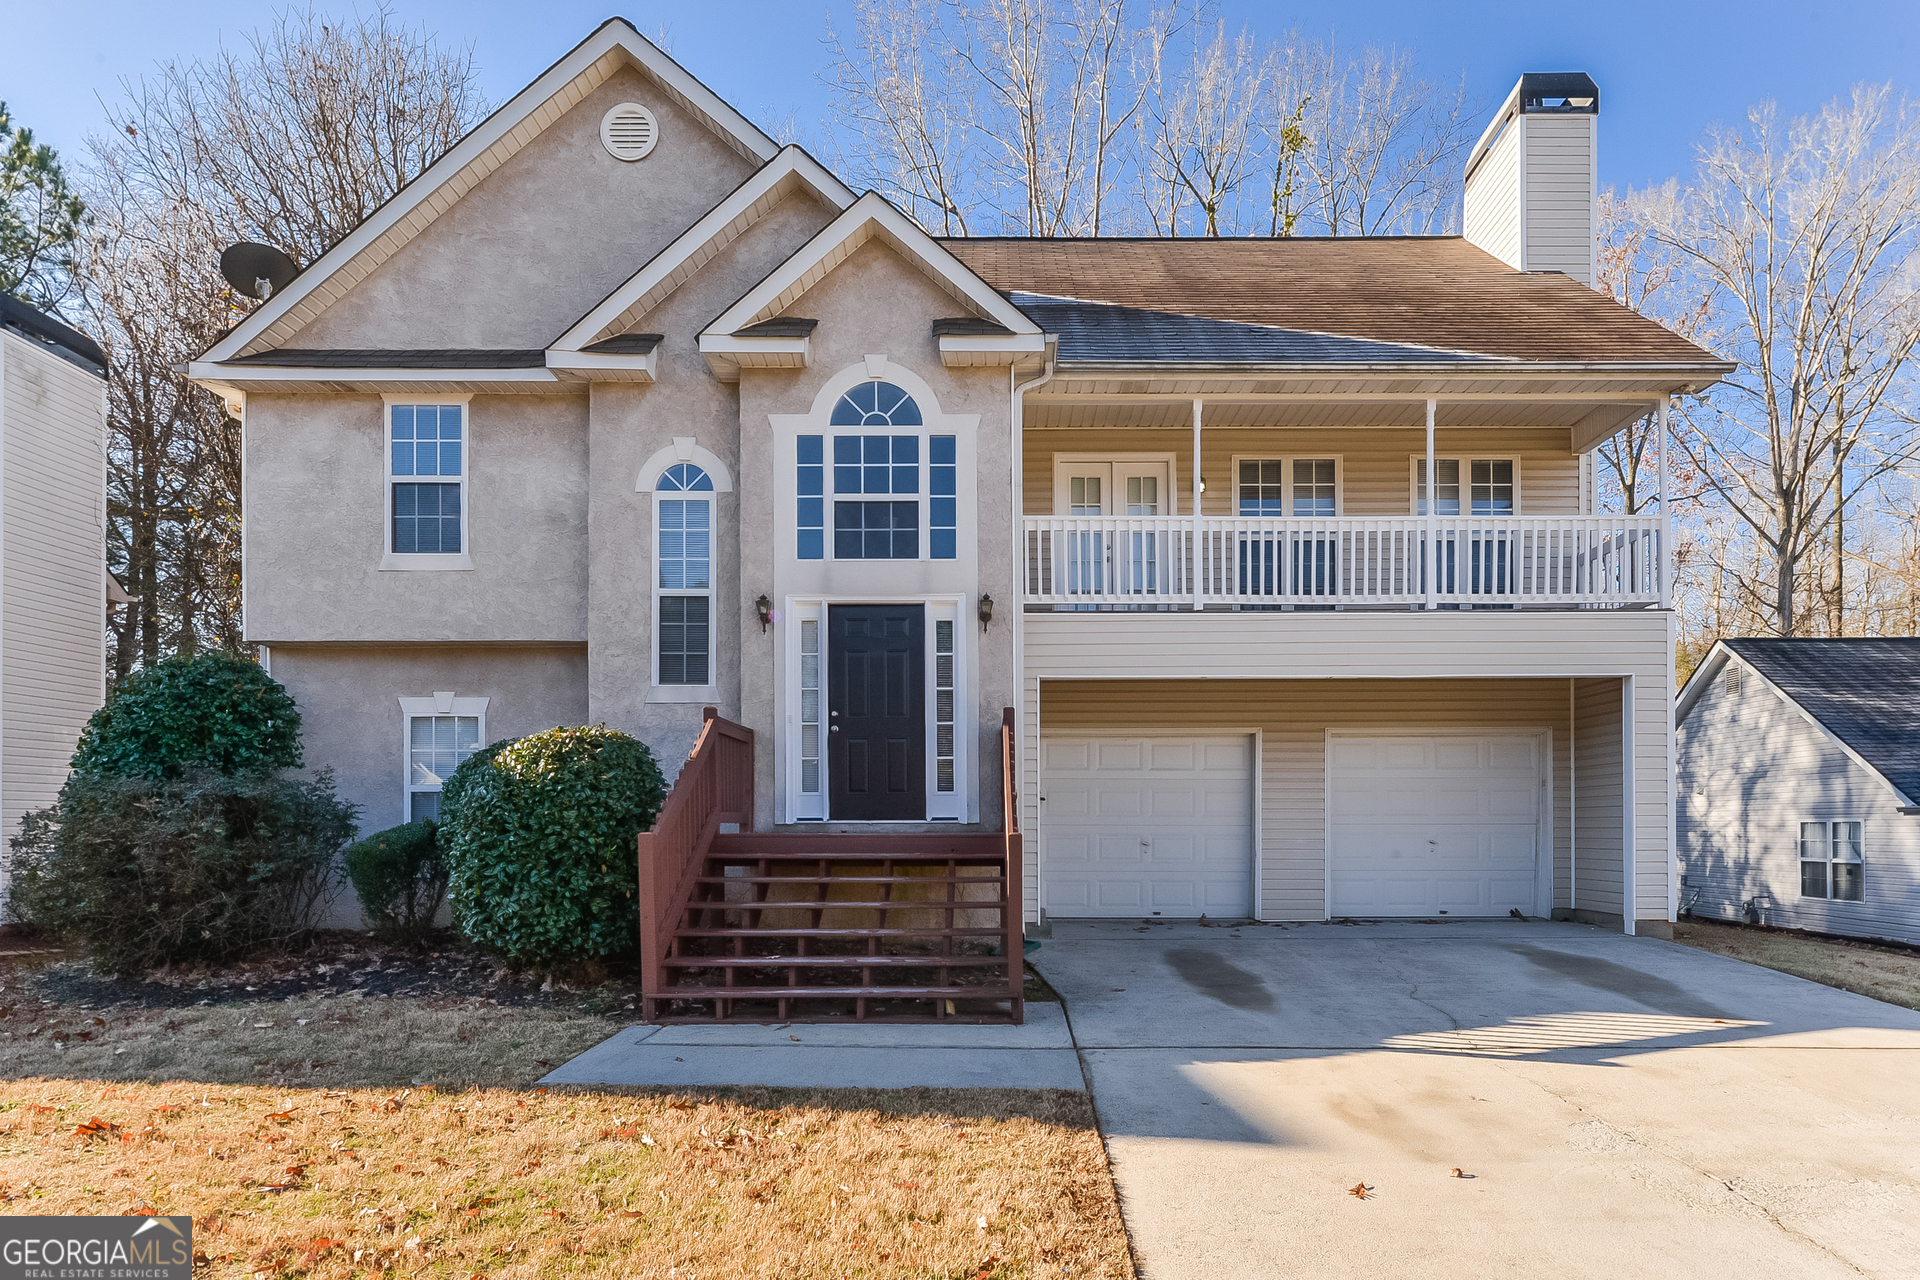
(53, 571)
(1293, 718)
(316, 525)
(350, 718)
(876, 303)
(541, 240)
(1375, 472)
(1513, 649)
(630, 423)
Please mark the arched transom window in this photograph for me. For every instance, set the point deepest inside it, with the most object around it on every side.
(880, 466)
(683, 587)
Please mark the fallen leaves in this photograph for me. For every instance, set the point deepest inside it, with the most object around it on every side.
(1360, 1191)
(96, 1128)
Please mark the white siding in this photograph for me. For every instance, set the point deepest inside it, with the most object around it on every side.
(1315, 671)
(1492, 206)
(1599, 797)
(1560, 195)
(52, 569)
(1749, 770)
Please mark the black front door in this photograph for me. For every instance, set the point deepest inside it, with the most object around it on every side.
(877, 712)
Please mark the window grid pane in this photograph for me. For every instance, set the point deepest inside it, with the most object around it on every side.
(684, 640)
(685, 552)
(1313, 487)
(810, 707)
(426, 519)
(943, 706)
(1262, 490)
(810, 485)
(876, 530)
(426, 440)
(1447, 495)
(1492, 486)
(943, 506)
(436, 747)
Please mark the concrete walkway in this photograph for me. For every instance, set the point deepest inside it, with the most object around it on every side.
(1623, 1107)
(1036, 1055)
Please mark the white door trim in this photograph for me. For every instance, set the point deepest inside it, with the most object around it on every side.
(1543, 867)
(1256, 765)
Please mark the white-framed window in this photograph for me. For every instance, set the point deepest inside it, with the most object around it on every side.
(437, 734)
(878, 486)
(428, 460)
(1468, 486)
(1286, 486)
(1832, 861)
(683, 600)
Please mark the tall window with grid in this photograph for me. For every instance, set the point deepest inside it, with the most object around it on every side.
(436, 746)
(426, 440)
(876, 475)
(683, 601)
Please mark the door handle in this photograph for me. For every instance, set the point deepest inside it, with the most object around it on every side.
(833, 728)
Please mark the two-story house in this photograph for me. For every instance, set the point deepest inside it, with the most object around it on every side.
(1283, 557)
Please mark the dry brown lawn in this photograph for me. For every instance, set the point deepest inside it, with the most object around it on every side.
(509, 1183)
(1884, 973)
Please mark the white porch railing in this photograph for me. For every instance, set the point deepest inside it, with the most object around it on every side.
(1173, 561)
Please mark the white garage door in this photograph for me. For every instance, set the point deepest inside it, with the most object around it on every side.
(1147, 826)
(1435, 825)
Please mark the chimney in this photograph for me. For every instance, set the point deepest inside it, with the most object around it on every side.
(1532, 180)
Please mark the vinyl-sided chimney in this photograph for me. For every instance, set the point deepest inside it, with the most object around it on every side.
(1532, 180)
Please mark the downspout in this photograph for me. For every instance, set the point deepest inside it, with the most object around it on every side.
(1016, 439)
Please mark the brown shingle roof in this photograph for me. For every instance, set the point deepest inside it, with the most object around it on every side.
(1436, 291)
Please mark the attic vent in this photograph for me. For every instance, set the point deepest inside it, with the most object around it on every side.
(629, 131)
(1736, 679)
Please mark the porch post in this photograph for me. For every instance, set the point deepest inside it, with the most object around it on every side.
(1199, 573)
(1430, 560)
(1666, 523)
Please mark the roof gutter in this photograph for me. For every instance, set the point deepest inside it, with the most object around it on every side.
(1714, 369)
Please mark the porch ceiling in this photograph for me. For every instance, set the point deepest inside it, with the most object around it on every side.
(1589, 418)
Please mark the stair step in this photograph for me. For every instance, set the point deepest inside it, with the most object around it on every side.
(835, 962)
(912, 880)
(838, 933)
(868, 993)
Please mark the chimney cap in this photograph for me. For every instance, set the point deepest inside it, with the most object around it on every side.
(1559, 93)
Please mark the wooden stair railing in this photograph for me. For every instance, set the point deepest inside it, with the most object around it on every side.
(715, 786)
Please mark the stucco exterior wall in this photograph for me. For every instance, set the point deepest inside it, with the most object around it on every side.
(540, 241)
(316, 525)
(630, 423)
(350, 718)
(875, 303)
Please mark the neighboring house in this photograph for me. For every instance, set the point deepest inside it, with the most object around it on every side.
(622, 409)
(54, 586)
(1798, 770)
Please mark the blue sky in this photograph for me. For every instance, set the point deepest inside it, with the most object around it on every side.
(1666, 70)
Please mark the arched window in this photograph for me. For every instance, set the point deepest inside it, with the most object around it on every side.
(683, 586)
(877, 479)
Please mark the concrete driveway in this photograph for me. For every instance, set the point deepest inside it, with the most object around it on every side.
(1624, 1107)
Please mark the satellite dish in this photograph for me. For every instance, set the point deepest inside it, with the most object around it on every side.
(257, 270)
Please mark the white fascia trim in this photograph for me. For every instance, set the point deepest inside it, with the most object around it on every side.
(586, 364)
(726, 222)
(1697, 685)
(727, 355)
(218, 376)
(965, 349)
(616, 34)
(870, 215)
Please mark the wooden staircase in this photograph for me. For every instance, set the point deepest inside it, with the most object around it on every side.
(821, 927)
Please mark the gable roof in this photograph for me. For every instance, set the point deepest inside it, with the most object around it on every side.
(726, 222)
(490, 144)
(1417, 291)
(1864, 692)
(32, 323)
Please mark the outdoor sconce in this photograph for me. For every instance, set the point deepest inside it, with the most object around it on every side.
(763, 609)
(986, 611)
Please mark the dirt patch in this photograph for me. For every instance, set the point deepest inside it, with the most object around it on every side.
(746, 1183)
(1891, 974)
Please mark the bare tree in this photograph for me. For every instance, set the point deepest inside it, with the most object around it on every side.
(1801, 244)
(292, 142)
(1201, 128)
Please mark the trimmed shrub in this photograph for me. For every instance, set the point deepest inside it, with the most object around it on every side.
(203, 866)
(400, 879)
(538, 836)
(208, 711)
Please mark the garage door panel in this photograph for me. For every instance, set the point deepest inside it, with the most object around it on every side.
(1165, 823)
(1458, 835)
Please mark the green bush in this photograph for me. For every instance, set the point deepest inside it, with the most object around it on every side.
(208, 711)
(203, 866)
(400, 879)
(538, 836)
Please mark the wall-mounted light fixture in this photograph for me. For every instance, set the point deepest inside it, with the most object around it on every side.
(763, 609)
(986, 610)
